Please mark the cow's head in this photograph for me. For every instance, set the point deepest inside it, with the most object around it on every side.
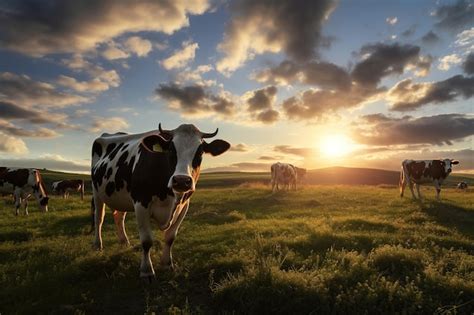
(448, 164)
(186, 145)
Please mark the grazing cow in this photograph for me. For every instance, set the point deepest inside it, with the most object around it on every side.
(153, 174)
(64, 187)
(22, 183)
(283, 174)
(416, 172)
(462, 185)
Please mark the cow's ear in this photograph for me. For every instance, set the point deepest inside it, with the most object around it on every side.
(454, 162)
(216, 147)
(156, 143)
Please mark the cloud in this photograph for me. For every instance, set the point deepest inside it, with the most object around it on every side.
(114, 52)
(468, 64)
(8, 128)
(67, 27)
(446, 62)
(95, 85)
(409, 31)
(9, 144)
(391, 20)
(407, 96)
(138, 46)
(240, 147)
(11, 111)
(22, 90)
(430, 38)
(195, 100)
(256, 27)
(438, 130)
(382, 60)
(49, 161)
(181, 57)
(465, 40)
(109, 124)
(317, 73)
(453, 17)
(195, 76)
(260, 104)
(287, 149)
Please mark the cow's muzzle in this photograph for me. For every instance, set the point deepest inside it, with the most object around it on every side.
(182, 183)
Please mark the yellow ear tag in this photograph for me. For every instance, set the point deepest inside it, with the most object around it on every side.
(157, 148)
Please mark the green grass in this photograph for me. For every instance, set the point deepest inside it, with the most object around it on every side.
(319, 250)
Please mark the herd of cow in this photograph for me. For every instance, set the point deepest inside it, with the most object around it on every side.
(154, 175)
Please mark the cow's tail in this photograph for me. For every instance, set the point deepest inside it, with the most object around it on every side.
(92, 216)
(82, 190)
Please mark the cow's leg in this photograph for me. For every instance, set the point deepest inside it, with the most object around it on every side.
(402, 184)
(99, 213)
(418, 191)
(119, 218)
(25, 201)
(170, 235)
(17, 203)
(438, 189)
(143, 216)
(410, 184)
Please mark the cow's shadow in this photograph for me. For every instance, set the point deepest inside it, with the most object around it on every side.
(451, 216)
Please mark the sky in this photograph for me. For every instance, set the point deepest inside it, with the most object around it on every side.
(364, 83)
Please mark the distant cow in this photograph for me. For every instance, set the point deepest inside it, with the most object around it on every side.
(22, 183)
(64, 187)
(283, 174)
(462, 185)
(153, 174)
(424, 171)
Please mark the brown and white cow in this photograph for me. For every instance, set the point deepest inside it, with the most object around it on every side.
(283, 174)
(153, 174)
(65, 187)
(22, 183)
(417, 172)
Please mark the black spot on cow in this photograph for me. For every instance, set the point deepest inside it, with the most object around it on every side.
(124, 172)
(109, 173)
(109, 148)
(151, 175)
(198, 157)
(124, 147)
(98, 174)
(110, 188)
(96, 149)
(437, 169)
(17, 178)
(115, 151)
(415, 169)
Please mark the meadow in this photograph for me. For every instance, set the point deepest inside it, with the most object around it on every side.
(323, 249)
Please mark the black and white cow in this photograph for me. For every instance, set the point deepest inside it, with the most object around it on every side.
(283, 174)
(22, 183)
(65, 187)
(417, 172)
(153, 174)
(462, 185)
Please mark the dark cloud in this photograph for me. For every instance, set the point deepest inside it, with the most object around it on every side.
(195, 100)
(22, 90)
(262, 99)
(11, 111)
(456, 16)
(468, 65)
(430, 38)
(291, 26)
(381, 130)
(43, 27)
(10, 129)
(409, 31)
(382, 60)
(268, 116)
(407, 96)
(318, 73)
(287, 149)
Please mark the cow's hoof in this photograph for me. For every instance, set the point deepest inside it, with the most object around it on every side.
(98, 247)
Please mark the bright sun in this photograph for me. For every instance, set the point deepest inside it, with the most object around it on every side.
(335, 145)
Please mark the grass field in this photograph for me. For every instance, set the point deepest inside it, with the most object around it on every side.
(328, 249)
